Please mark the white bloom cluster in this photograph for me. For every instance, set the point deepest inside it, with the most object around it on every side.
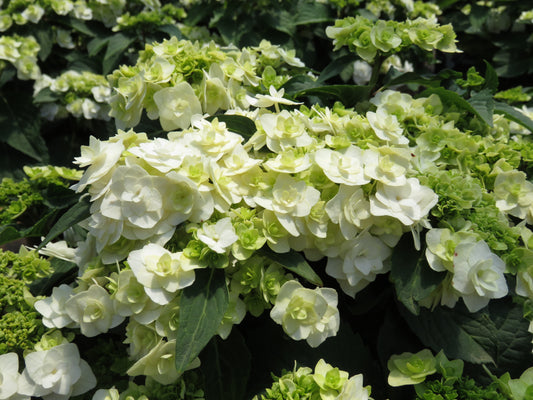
(52, 374)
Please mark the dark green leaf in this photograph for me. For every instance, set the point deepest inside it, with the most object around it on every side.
(97, 44)
(56, 196)
(6, 74)
(81, 26)
(299, 83)
(336, 67)
(19, 127)
(491, 78)
(497, 334)
(45, 37)
(422, 79)
(237, 123)
(483, 103)
(202, 307)
(411, 275)
(226, 367)
(45, 96)
(115, 48)
(294, 262)
(64, 272)
(312, 13)
(513, 114)
(9, 233)
(451, 98)
(349, 95)
(75, 214)
(171, 31)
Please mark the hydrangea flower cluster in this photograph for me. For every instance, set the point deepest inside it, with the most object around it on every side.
(369, 39)
(80, 94)
(21, 52)
(176, 79)
(324, 383)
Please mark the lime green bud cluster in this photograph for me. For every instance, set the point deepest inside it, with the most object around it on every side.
(513, 95)
(24, 266)
(21, 52)
(324, 383)
(19, 331)
(169, 14)
(370, 39)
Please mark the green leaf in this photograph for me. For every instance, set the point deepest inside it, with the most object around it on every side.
(513, 114)
(9, 233)
(64, 272)
(483, 103)
(45, 37)
(350, 95)
(77, 213)
(491, 78)
(237, 123)
(171, 31)
(294, 262)
(115, 48)
(226, 365)
(334, 68)
(202, 307)
(299, 83)
(7, 74)
(497, 334)
(451, 98)
(312, 13)
(411, 275)
(80, 26)
(97, 44)
(45, 96)
(19, 126)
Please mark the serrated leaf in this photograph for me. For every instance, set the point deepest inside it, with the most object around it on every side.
(483, 103)
(237, 123)
(96, 44)
(45, 37)
(45, 95)
(334, 68)
(299, 83)
(202, 307)
(226, 365)
(294, 262)
(350, 95)
(411, 275)
(497, 334)
(450, 98)
(491, 78)
(115, 48)
(64, 272)
(20, 129)
(513, 114)
(171, 31)
(77, 213)
(312, 13)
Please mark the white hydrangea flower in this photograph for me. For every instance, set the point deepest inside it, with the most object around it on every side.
(64, 39)
(162, 154)
(386, 126)
(93, 310)
(362, 259)
(176, 106)
(60, 250)
(441, 245)
(33, 13)
(306, 313)
(514, 194)
(353, 389)
(284, 130)
(141, 338)
(56, 374)
(289, 198)
(478, 274)
(387, 164)
(127, 102)
(159, 363)
(214, 94)
(350, 209)
(9, 377)
(161, 272)
(345, 166)
(102, 158)
(409, 203)
(362, 72)
(289, 161)
(219, 236)
(212, 138)
(274, 98)
(53, 308)
(106, 394)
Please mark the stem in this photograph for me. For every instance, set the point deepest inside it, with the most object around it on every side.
(375, 71)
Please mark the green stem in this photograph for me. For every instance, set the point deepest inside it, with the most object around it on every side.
(375, 71)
